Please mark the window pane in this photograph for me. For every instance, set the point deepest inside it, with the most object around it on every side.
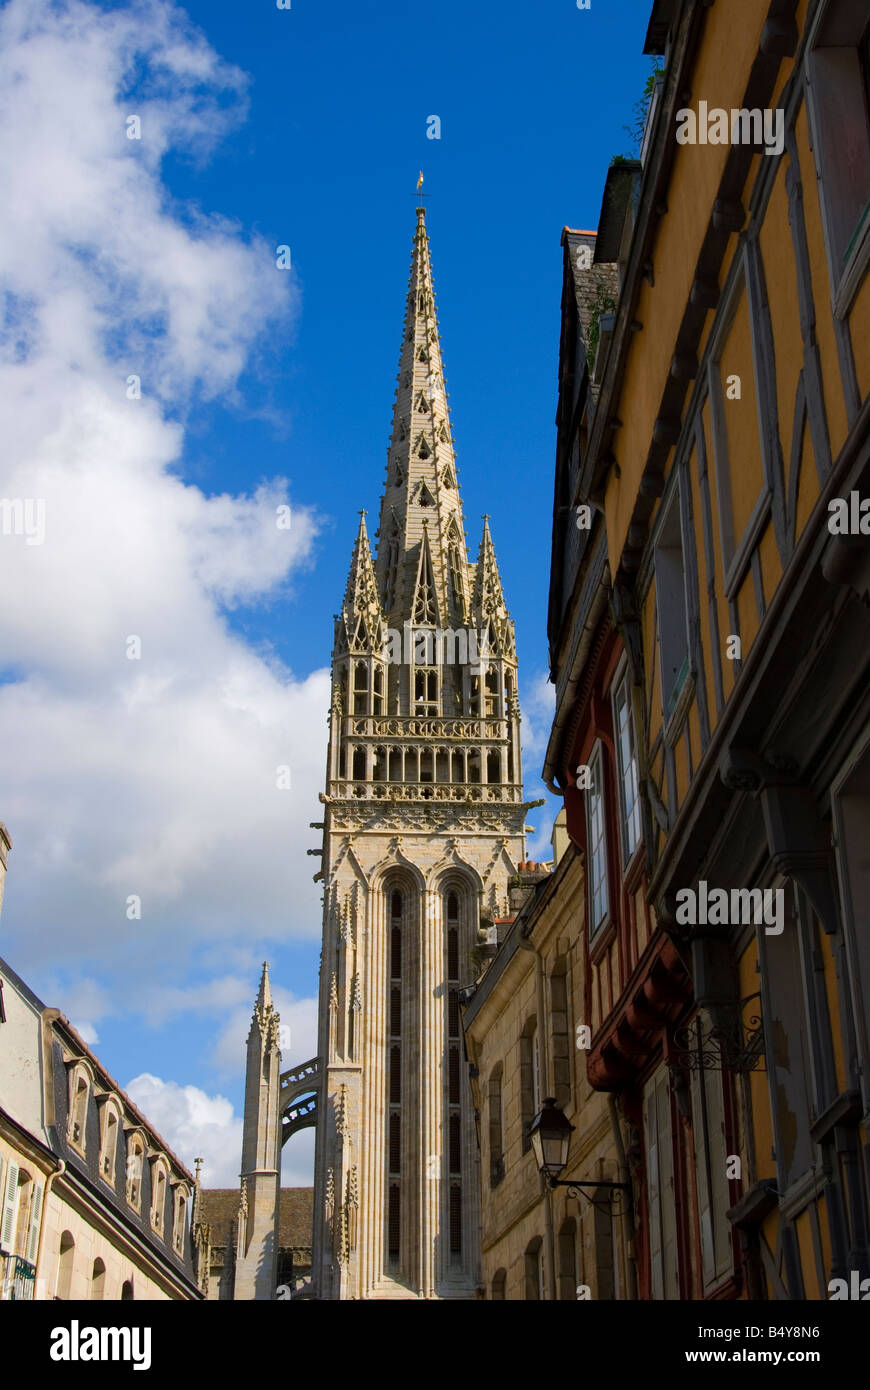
(597, 845)
(628, 780)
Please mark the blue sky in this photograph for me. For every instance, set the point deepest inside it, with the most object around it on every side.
(260, 127)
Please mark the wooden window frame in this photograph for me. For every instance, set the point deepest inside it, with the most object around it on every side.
(736, 552)
(827, 91)
(597, 925)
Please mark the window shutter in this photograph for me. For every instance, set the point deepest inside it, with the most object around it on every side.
(718, 1158)
(35, 1214)
(705, 1220)
(10, 1203)
(652, 1172)
(666, 1183)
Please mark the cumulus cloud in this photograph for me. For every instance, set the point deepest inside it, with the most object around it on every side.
(143, 736)
(197, 1125)
(194, 1125)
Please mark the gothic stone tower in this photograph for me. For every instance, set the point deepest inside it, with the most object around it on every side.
(257, 1252)
(423, 825)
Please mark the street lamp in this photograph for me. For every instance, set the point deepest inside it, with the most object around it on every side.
(550, 1133)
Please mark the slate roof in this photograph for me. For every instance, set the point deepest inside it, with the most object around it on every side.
(220, 1206)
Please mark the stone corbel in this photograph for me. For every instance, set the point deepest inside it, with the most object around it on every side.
(846, 564)
(796, 839)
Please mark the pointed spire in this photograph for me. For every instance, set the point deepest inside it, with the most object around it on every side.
(488, 603)
(264, 997)
(360, 623)
(265, 1021)
(421, 488)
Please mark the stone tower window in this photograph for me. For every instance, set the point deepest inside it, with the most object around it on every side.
(396, 906)
(360, 688)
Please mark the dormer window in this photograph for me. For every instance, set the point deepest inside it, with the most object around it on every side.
(180, 1219)
(135, 1164)
(79, 1093)
(110, 1124)
(158, 1194)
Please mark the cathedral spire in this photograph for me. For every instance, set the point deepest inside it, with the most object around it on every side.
(421, 489)
(264, 995)
(488, 603)
(360, 623)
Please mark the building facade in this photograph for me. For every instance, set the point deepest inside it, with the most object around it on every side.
(524, 1034)
(721, 457)
(423, 825)
(93, 1204)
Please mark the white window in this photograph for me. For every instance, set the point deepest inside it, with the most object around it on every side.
(597, 838)
(838, 73)
(9, 1209)
(629, 802)
(36, 1197)
(658, 1144)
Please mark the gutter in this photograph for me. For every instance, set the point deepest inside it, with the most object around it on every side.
(565, 707)
(58, 1172)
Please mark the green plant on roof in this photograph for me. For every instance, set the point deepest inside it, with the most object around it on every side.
(598, 299)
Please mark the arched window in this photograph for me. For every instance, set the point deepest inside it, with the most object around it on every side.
(492, 710)
(110, 1126)
(66, 1261)
(396, 913)
(359, 764)
(378, 681)
(80, 1084)
(529, 1078)
(499, 1281)
(127, 1291)
(98, 1281)
(135, 1163)
(568, 1259)
(560, 1034)
(455, 1219)
(452, 907)
(493, 766)
(180, 1219)
(360, 688)
(496, 1127)
(158, 1194)
(534, 1262)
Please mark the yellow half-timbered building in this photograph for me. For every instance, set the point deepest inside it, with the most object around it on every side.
(725, 446)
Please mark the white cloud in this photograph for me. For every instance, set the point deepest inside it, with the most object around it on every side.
(153, 777)
(196, 1125)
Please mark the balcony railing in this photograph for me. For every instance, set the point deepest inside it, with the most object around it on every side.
(476, 793)
(424, 727)
(23, 1281)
